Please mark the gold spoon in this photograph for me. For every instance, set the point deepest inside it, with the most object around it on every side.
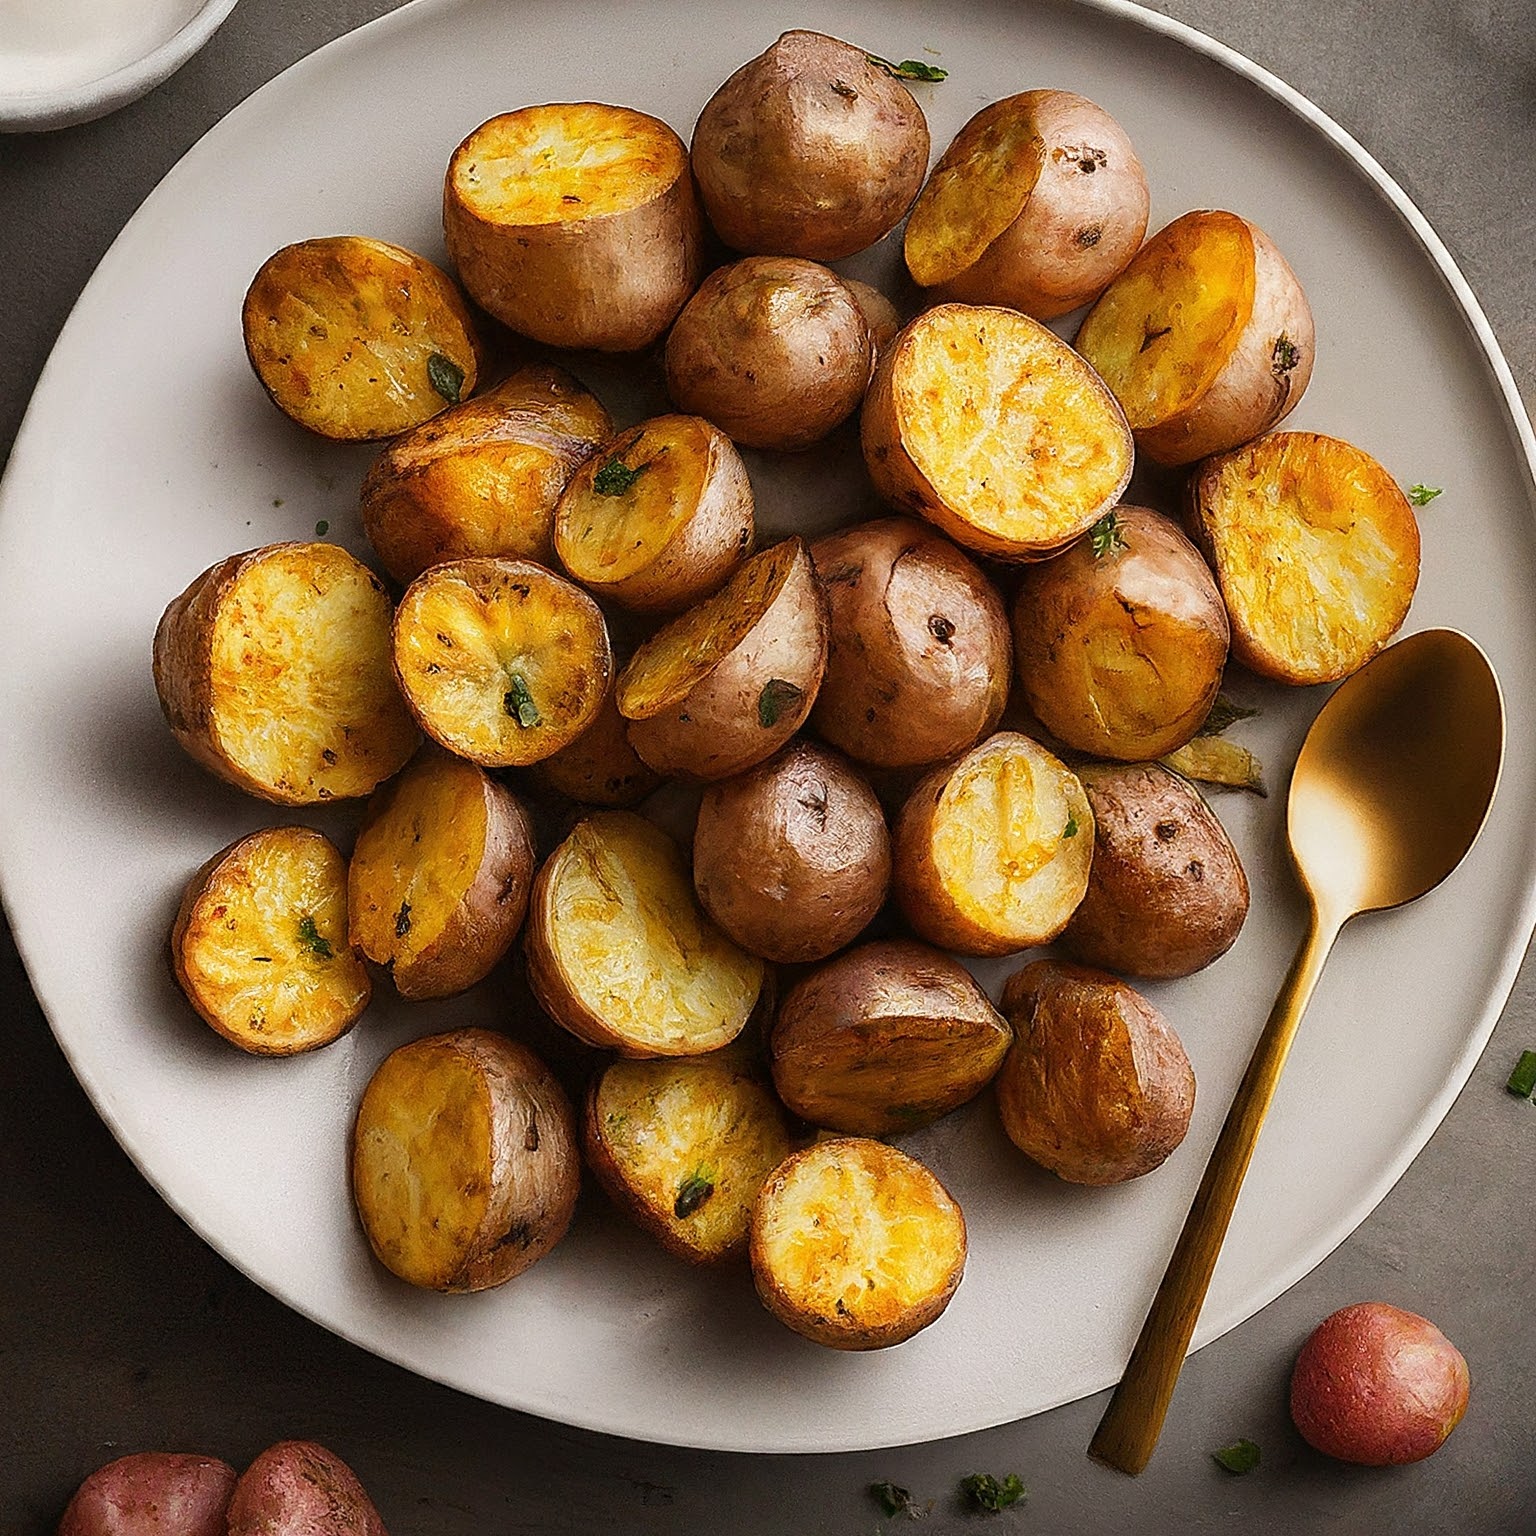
(1392, 785)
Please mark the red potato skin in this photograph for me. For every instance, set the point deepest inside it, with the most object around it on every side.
(298, 1488)
(153, 1493)
(1378, 1386)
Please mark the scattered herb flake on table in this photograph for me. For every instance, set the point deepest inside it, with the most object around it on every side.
(893, 1500)
(991, 1494)
(1421, 495)
(1239, 1457)
(1522, 1081)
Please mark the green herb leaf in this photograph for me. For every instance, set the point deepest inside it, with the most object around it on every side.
(322, 528)
(446, 377)
(987, 1493)
(1285, 356)
(776, 697)
(1239, 1457)
(616, 477)
(518, 703)
(403, 920)
(1224, 713)
(893, 1500)
(309, 937)
(1421, 495)
(909, 69)
(1522, 1081)
(693, 1192)
(1070, 830)
(1105, 536)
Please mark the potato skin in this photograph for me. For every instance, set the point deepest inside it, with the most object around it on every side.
(809, 150)
(152, 1493)
(1096, 1087)
(792, 858)
(599, 767)
(919, 652)
(301, 1489)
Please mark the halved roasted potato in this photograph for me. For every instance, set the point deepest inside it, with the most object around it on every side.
(992, 852)
(439, 878)
(684, 1146)
(987, 424)
(501, 661)
(575, 223)
(260, 943)
(1315, 549)
(856, 1245)
(1206, 338)
(483, 477)
(599, 767)
(727, 683)
(884, 1039)
(358, 339)
(465, 1167)
(620, 953)
(659, 518)
(273, 670)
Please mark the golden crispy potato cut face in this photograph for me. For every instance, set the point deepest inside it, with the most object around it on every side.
(1316, 552)
(684, 1147)
(357, 339)
(620, 953)
(501, 661)
(856, 1245)
(260, 944)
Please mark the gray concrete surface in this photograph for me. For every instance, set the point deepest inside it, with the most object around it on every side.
(119, 1330)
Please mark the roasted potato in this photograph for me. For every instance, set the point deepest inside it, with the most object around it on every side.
(273, 670)
(1120, 641)
(918, 653)
(659, 518)
(985, 423)
(465, 1166)
(992, 852)
(885, 1039)
(729, 682)
(1096, 1086)
(1315, 549)
(501, 661)
(357, 339)
(439, 878)
(810, 150)
(575, 224)
(1206, 338)
(260, 944)
(1166, 892)
(152, 1493)
(620, 953)
(774, 350)
(1038, 204)
(684, 1146)
(880, 315)
(599, 767)
(483, 477)
(792, 857)
(298, 1488)
(856, 1245)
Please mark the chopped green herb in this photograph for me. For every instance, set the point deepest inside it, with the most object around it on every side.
(1224, 713)
(322, 528)
(693, 1192)
(1286, 354)
(777, 696)
(893, 1501)
(1522, 1081)
(519, 703)
(909, 69)
(309, 937)
(1421, 495)
(403, 920)
(1070, 830)
(277, 501)
(1105, 536)
(616, 477)
(1239, 1457)
(986, 1492)
(446, 377)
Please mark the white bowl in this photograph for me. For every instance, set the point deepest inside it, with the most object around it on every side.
(67, 61)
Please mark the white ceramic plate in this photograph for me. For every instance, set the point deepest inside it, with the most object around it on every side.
(149, 453)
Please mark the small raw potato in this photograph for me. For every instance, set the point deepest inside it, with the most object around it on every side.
(298, 1488)
(153, 1493)
(919, 655)
(856, 1245)
(1038, 204)
(439, 878)
(1378, 1386)
(659, 518)
(501, 661)
(1315, 549)
(792, 858)
(1120, 641)
(260, 944)
(810, 150)
(774, 350)
(575, 224)
(1206, 338)
(273, 670)
(1166, 892)
(885, 1039)
(620, 953)
(992, 852)
(990, 426)
(465, 1165)
(483, 477)
(356, 339)
(1097, 1087)
(600, 767)
(729, 682)
(683, 1147)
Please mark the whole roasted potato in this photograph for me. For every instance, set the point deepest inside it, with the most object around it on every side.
(1096, 1087)
(1166, 891)
(809, 149)
(1120, 641)
(918, 653)
(152, 1493)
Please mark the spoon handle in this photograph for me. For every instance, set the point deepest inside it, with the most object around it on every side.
(1127, 1434)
